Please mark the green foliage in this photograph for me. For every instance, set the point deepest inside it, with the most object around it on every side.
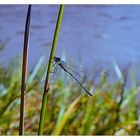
(49, 70)
(68, 111)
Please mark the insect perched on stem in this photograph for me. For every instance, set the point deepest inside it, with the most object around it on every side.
(64, 66)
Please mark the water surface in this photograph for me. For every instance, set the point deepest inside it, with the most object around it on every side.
(89, 33)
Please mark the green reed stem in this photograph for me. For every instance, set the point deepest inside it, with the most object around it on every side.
(46, 86)
(24, 70)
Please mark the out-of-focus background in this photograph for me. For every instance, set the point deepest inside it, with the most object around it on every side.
(91, 36)
(90, 33)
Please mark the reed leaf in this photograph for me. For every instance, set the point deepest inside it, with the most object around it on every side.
(46, 86)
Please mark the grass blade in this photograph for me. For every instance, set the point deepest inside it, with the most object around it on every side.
(72, 108)
(24, 70)
(46, 86)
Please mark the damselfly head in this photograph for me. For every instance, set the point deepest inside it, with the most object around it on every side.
(56, 59)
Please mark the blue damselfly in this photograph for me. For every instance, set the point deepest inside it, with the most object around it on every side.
(63, 65)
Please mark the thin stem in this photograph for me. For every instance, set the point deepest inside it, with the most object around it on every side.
(46, 86)
(24, 70)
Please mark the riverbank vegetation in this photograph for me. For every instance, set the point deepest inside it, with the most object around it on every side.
(60, 107)
(68, 111)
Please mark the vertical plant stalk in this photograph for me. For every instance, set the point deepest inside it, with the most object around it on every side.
(24, 70)
(46, 86)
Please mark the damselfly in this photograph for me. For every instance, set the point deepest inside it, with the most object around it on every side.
(63, 65)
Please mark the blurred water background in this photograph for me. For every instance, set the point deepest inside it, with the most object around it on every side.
(89, 33)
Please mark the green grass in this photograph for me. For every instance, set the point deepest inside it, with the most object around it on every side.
(68, 111)
(49, 70)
